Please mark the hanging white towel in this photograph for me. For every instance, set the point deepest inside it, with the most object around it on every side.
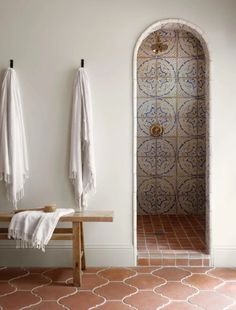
(82, 167)
(34, 229)
(13, 152)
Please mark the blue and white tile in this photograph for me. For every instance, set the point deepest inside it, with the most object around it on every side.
(201, 187)
(200, 50)
(201, 205)
(146, 67)
(165, 205)
(201, 165)
(187, 47)
(165, 166)
(146, 166)
(187, 204)
(187, 126)
(146, 107)
(201, 147)
(166, 147)
(184, 33)
(169, 127)
(202, 87)
(187, 108)
(188, 67)
(188, 87)
(143, 126)
(169, 123)
(202, 108)
(146, 194)
(166, 67)
(166, 106)
(164, 32)
(187, 147)
(166, 87)
(147, 87)
(187, 185)
(201, 68)
(166, 186)
(187, 166)
(146, 146)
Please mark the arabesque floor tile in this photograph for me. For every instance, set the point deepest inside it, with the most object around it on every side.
(131, 288)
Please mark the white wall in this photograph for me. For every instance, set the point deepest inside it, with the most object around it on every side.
(47, 39)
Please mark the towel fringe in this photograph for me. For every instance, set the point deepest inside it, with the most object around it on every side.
(23, 240)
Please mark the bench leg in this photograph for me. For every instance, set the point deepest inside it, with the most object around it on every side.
(83, 250)
(77, 277)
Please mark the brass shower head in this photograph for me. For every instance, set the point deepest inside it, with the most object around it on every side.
(158, 47)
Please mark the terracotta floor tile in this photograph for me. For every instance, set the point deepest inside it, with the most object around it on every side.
(6, 288)
(165, 281)
(37, 269)
(114, 305)
(228, 289)
(181, 305)
(117, 274)
(59, 274)
(171, 274)
(145, 281)
(115, 290)
(30, 281)
(90, 281)
(85, 300)
(175, 290)
(146, 300)
(147, 269)
(53, 292)
(10, 273)
(197, 269)
(211, 300)
(92, 269)
(18, 300)
(226, 274)
(202, 281)
(48, 305)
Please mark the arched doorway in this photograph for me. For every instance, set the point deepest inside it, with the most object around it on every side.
(171, 133)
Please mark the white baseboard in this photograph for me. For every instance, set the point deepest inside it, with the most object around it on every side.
(56, 256)
(224, 257)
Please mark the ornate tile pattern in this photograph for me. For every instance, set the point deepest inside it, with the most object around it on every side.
(171, 91)
(131, 288)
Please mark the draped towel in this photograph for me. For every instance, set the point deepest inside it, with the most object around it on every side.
(82, 167)
(13, 152)
(34, 229)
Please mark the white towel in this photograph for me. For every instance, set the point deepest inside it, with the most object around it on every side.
(13, 152)
(82, 167)
(34, 229)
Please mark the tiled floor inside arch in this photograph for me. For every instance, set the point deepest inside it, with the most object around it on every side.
(136, 288)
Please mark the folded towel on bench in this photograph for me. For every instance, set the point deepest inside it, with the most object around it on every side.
(34, 229)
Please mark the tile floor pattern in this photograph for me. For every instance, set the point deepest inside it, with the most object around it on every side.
(167, 233)
(171, 240)
(135, 288)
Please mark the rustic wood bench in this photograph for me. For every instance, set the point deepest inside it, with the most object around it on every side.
(75, 233)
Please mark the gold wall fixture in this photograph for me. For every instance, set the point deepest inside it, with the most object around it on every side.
(158, 46)
(156, 130)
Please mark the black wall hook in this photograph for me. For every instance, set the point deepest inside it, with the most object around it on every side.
(11, 63)
(82, 63)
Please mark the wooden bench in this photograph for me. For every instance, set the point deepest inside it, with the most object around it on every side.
(75, 234)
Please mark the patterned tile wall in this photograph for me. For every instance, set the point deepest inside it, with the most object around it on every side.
(171, 92)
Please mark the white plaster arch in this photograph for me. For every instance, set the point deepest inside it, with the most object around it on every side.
(181, 24)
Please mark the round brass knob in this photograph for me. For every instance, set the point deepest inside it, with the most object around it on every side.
(156, 130)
